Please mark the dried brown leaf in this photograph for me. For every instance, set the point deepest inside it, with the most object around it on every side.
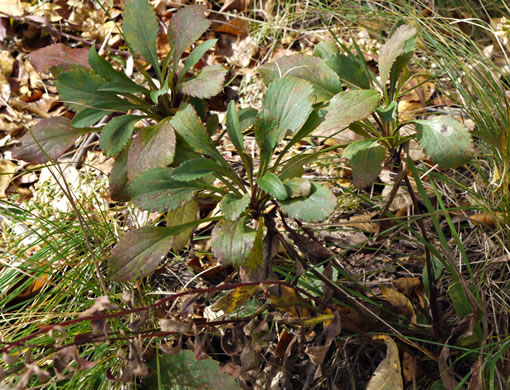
(387, 375)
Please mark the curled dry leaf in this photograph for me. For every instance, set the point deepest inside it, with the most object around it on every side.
(388, 375)
(170, 325)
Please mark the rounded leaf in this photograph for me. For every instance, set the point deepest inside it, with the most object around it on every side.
(232, 241)
(314, 208)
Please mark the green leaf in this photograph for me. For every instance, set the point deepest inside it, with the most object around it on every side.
(273, 186)
(78, 89)
(139, 252)
(153, 147)
(88, 117)
(294, 166)
(392, 49)
(186, 26)
(187, 213)
(366, 158)
(117, 80)
(190, 128)
(197, 168)
(446, 141)
(315, 208)
(298, 187)
(325, 50)
(348, 107)
(247, 117)
(388, 113)
(156, 189)
(234, 127)
(141, 27)
(349, 70)
(48, 139)
(286, 107)
(119, 179)
(232, 241)
(182, 371)
(196, 55)
(325, 82)
(116, 134)
(232, 207)
(207, 84)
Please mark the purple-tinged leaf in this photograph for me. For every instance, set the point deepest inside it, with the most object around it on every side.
(153, 147)
(392, 49)
(232, 241)
(141, 29)
(156, 189)
(207, 84)
(118, 178)
(348, 107)
(185, 27)
(58, 54)
(48, 139)
(325, 82)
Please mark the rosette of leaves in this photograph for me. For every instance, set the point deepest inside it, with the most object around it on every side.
(288, 115)
(98, 93)
(356, 99)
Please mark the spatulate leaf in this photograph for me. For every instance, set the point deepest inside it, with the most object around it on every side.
(232, 241)
(316, 207)
(207, 84)
(366, 158)
(232, 207)
(116, 134)
(141, 28)
(49, 138)
(153, 147)
(348, 107)
(392, 49)
(325, 82)
(446, 141)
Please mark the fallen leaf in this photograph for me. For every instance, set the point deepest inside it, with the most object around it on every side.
(387, 375)
(400, 303)
(408, 367)
(7, 170)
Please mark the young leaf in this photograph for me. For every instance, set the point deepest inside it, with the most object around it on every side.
(118, 178)
(286, 107)
(273, 186)
(197, 168)
(139, 252)
(446, 141)
(184, 214)
(298, 187)
(366, 158)
(116, 134)
(232, 207)
(190, 128)
(153, 147)
(57, 54)
(234, 127)
(156, 189)
(49, 138)
(232, 241)
(87, 117)
(247, 117)
(349, 70)
(316, 207)
(392, 49)
(325, 82)
(140, 26)
(185, 27)
(117, 80)
(294, 167)
(207, 84)
(196, 55)
(348, 107)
